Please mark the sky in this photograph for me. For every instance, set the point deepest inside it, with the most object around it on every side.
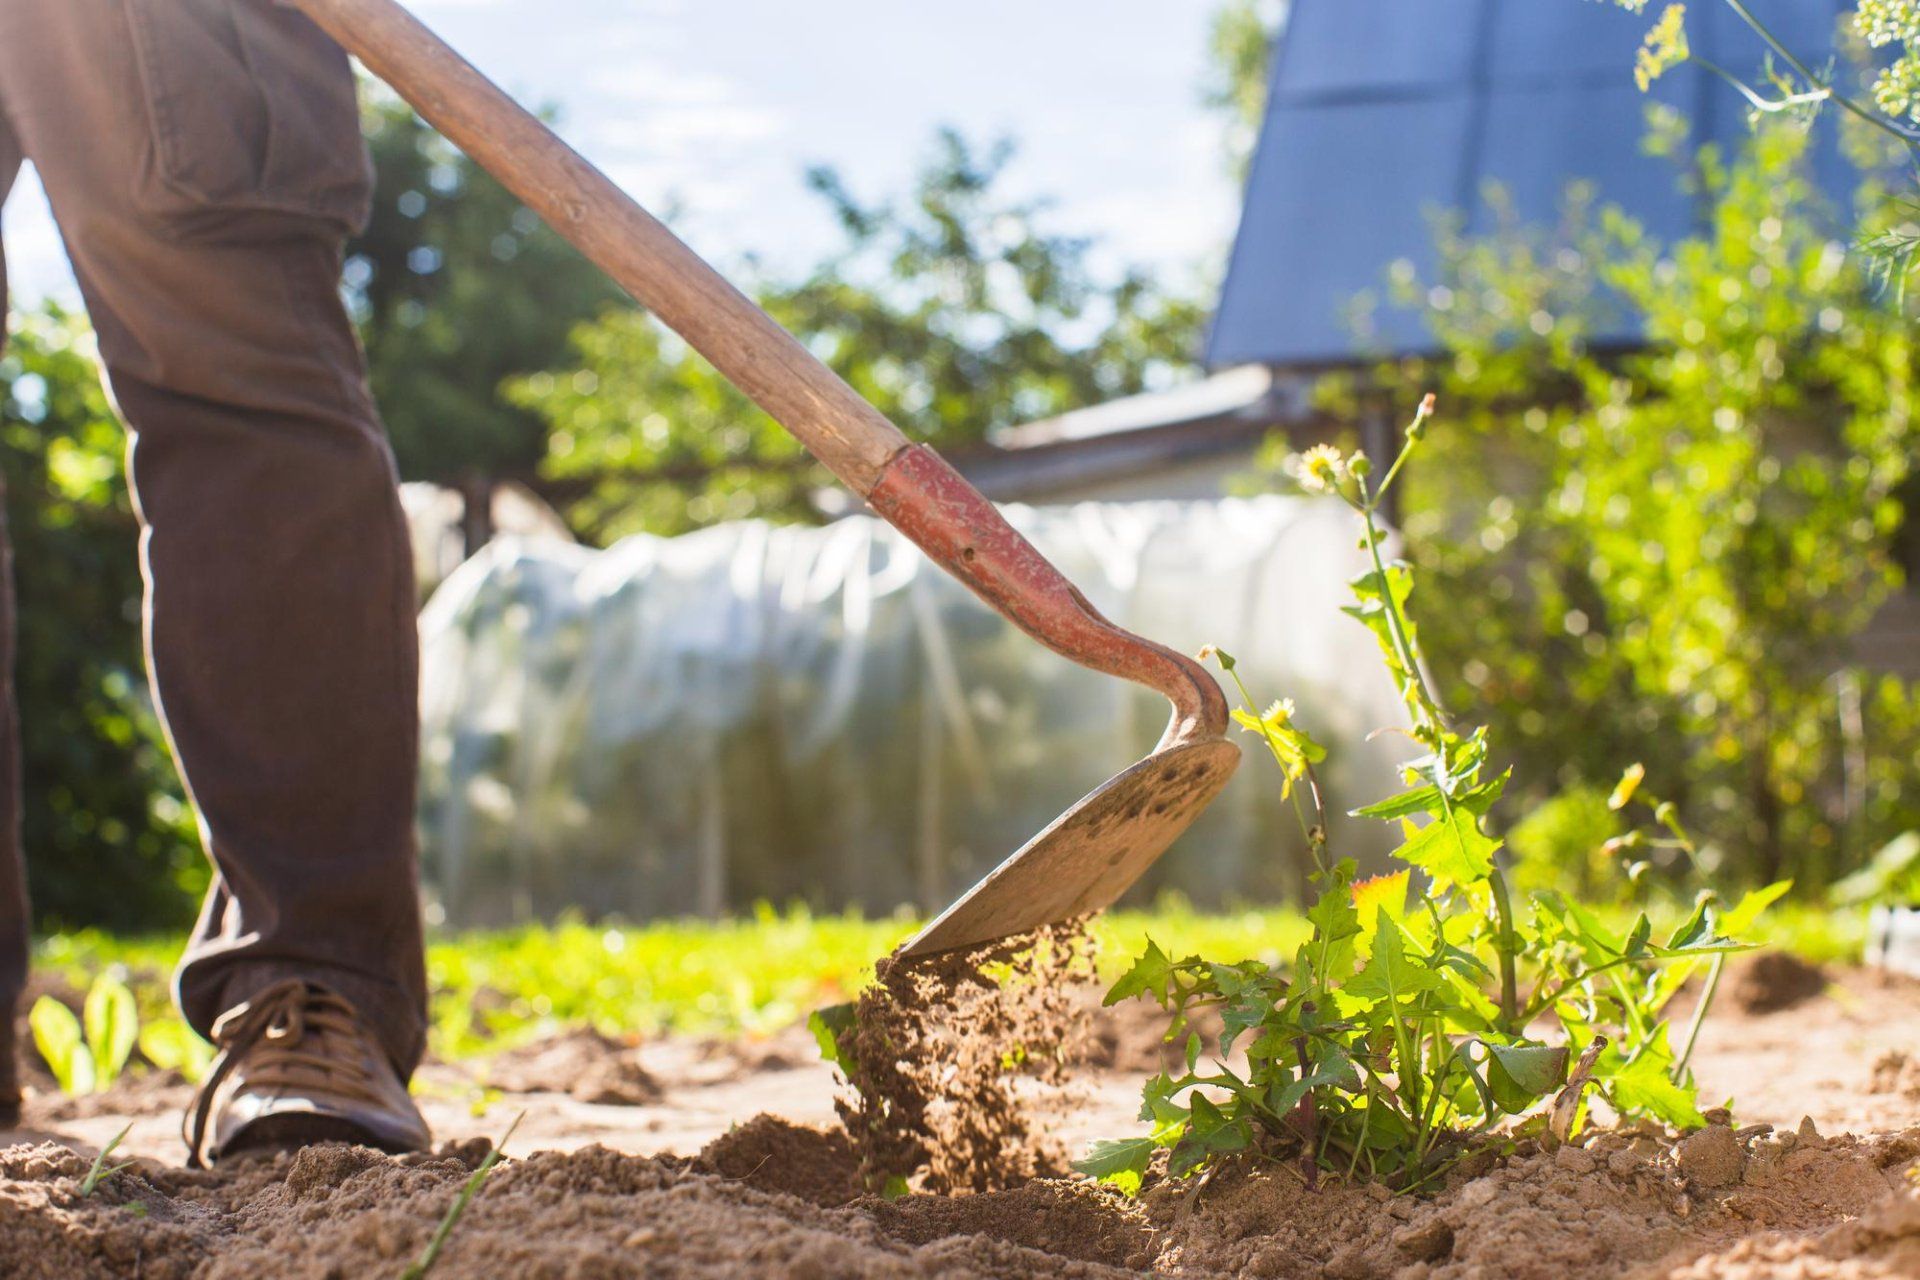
(714, 108)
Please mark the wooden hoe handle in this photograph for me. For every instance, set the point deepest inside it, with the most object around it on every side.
(911, 487)
(850, 436)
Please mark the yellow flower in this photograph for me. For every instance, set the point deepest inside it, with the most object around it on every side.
(1629, 783)
(1664, 48)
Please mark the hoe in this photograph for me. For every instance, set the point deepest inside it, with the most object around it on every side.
(1089, 855)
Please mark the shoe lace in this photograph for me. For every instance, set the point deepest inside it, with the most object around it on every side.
(282, 1033)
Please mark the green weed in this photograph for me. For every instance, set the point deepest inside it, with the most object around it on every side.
(101, 1170)
(418, 1269)
(87, 1057)
(1405, 1028)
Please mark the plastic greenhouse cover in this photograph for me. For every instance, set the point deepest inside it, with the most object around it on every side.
(789, 713)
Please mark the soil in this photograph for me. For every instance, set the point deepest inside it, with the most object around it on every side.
(1770, 981)
(598, 1068)
(1762, 1194)
(932, 1102)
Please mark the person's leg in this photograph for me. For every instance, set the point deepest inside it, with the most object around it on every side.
(14, 925)
(204, 162)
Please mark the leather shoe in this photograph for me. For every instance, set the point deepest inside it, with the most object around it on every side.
(298, 1066)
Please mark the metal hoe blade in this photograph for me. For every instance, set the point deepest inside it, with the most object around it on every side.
(1091, 854)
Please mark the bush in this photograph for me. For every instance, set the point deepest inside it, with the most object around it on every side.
(1672, 549)
(103, 806)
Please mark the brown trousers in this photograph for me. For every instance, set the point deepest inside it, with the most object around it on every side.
(204, 162)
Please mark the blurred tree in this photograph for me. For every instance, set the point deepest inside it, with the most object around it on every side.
(954, 311)
(109, 837)
(457, 288)
(1663, 555)
(1240, 41)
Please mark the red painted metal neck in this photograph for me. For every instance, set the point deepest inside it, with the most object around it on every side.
(950, 520)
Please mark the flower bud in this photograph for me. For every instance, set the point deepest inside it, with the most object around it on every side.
(1418, 428)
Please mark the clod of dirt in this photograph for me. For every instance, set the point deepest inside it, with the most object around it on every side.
(935, 1051)
(1771, 981)
(1430, 1241)
(1066, 1219)
(1712, 1157)
(583, 1063)
(772, 1154)
(1884, 1241)
(1896, 1072)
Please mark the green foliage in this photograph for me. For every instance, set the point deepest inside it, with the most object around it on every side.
(171, 1045)
(1891, 877)
(87, 1054)
(1406, 1027)
(953, 311)
(832, 1029)
(1240, 39)
(1674, 548)
(101, 802)
(1562, 843)
(457, 288)
(57, 1034)
(112, 1024)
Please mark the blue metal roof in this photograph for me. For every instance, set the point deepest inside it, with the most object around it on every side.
(1382, 111)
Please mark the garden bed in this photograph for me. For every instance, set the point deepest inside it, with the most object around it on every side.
(603, 1195)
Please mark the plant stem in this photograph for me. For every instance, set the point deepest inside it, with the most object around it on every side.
(1699, 1017)
(1309, 1114)
(1417, 680)
(1873, 118)
(1509, 949)
(1436, 723)
(1293, 790)
(1540, 1004)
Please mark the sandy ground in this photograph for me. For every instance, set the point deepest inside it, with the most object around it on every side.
(1802, 1201)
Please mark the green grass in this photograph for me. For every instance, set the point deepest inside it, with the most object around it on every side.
(754, 974)
(751, 975)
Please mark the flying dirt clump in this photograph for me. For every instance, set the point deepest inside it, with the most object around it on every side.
(936, 1053)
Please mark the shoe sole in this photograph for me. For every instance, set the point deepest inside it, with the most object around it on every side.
(291, 1131)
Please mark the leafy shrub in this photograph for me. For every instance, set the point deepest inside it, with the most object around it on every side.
(102, 804)
(1405, 1027)
(1676, 548)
